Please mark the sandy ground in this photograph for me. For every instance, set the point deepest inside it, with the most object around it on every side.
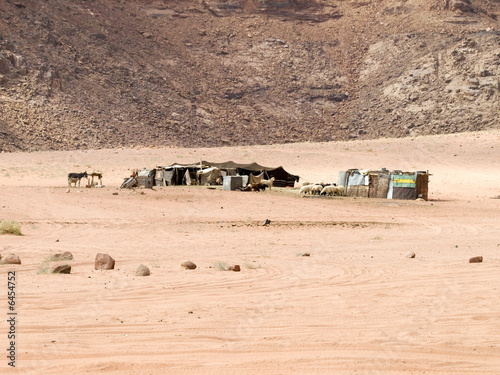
(357, 305)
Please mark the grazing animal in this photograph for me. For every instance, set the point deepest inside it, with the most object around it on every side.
(305, 189)
(340, 190)
(305, 183)
(73, 178)
(329, 190)
(316, 189)
(258, 187)
(268, 183)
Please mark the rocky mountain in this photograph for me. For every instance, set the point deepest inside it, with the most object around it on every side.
(104, 73)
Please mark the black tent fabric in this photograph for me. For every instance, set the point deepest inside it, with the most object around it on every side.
(281, 177)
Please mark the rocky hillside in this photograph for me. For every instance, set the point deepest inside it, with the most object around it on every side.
(104, 73)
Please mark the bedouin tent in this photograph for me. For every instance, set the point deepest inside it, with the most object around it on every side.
(281, 177)
(175, 174)
(209, 176)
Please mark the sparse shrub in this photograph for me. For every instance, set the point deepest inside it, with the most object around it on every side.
(221, 266)
(43, 269)
(10, 227)
(53, 258)
(252, 266)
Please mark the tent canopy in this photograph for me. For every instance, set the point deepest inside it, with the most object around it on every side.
(282, 177)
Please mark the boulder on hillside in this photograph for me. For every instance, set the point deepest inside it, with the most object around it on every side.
(461, 5)
(104, 262)
(4, 65)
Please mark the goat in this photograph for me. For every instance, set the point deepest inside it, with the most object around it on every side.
(268, 183)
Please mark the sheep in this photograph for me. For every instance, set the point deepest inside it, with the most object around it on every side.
(305, 189)
(329, 190)
(316, 189)
(305, 183)
(268, 183)
(339, 190)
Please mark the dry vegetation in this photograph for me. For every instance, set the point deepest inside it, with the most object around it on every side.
(10, 227)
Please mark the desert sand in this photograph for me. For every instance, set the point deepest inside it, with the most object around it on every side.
(357, 305)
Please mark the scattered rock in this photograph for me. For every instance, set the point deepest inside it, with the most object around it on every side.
(235, 268)
(68, 190)
(265, 222)
(410, 254)
(104, 262)
(462, 5)
(62, 268)
(142, 270)
(11, 259)
(63, 256)
(477, 259)
(306, 254)
(4, 65)
(297, 74)
(115, 193)
(188, 265)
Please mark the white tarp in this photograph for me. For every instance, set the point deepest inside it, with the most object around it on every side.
(208, 175)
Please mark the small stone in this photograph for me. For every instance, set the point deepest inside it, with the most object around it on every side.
(63, 256)
(461, 5)
(410, 254)
(477, 259)
(188, 265)
(104, 262)
(115, 193)
(11, 259)
(265, 222)
(142, 270)
(68, 190)
(235, 268)
(63, 268)
(306, 254)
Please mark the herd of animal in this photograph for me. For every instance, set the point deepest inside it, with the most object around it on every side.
(258, 186)
(321, 188)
